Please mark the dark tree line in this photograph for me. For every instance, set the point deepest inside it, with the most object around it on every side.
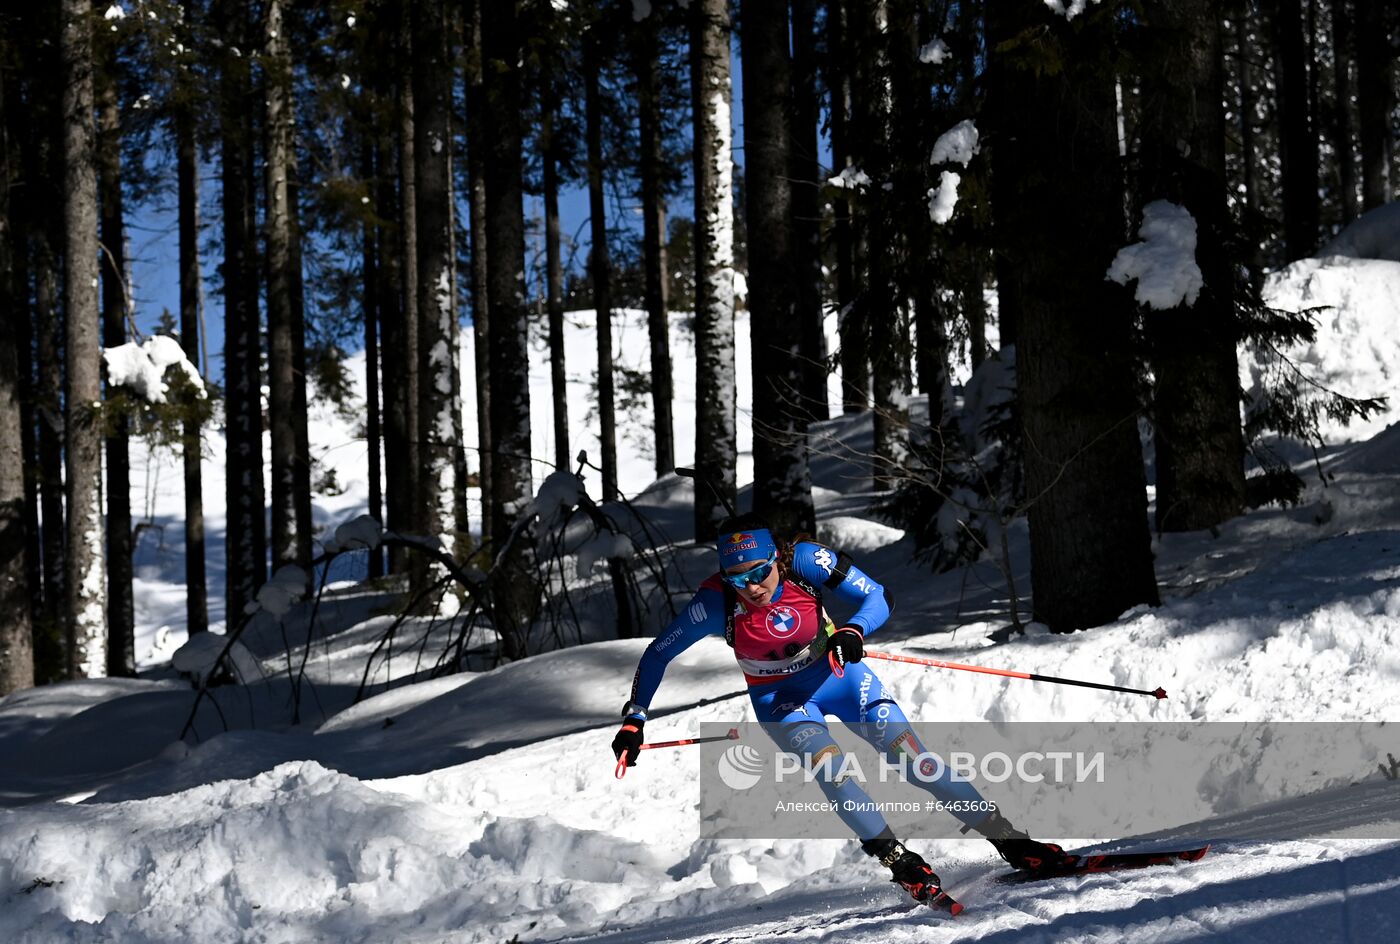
(364, 170)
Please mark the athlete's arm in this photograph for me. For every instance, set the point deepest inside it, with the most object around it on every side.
(835, 573)
(703, 616)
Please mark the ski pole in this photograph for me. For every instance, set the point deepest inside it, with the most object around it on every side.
(621, 770)
(1159, 693)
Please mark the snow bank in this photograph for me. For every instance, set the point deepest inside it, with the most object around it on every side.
(300, 852)
(1357, 351)
(856, 535)
(1372, 235)
(1164, 263)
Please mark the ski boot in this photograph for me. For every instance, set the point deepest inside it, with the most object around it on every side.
(1019, 850)
(911, 872)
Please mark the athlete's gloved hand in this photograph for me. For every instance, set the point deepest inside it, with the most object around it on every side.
(846, 645)
(629, 739)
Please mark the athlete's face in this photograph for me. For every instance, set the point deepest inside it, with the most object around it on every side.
(756, 593)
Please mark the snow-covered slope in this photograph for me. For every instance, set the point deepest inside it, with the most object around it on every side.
(482, 807)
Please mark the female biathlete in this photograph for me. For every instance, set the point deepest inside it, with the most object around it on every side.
(801, 668)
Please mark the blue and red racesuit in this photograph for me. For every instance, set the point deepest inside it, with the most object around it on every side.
(781, 648)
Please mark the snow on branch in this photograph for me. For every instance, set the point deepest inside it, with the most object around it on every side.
(141, 367)
(1068, 11)
(850, 178)
(935, 51)
(602, 546)
(359, 533)
(1164, 263)
(943, 198)
(958, 144)
(558, 494)
(286, 587)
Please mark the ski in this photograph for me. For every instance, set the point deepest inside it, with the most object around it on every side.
(941, 902)
(1089, 863)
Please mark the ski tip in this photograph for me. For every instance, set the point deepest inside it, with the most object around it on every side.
(1196, 854)
(945, 903)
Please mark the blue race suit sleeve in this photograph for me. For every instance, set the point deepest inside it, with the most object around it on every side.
(703, 616)
(835, 573)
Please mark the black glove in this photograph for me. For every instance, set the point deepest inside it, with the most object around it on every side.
(846, 645)
(629, 739)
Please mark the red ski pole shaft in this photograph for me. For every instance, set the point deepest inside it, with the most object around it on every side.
(1011, 673)
(621, 769)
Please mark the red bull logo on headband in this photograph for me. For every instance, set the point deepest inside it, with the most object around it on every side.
(744, 546)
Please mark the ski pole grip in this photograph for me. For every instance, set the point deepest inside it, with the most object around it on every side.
(836, 668)
(621, 770)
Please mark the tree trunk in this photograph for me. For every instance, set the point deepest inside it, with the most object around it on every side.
(716, 440)
(806, 208)
(432, 149)
(389, 284)
(369, 303)
(654, 243)
(1341, 113)
(121, 616)
(599, 265)
(187, 173)
(1058, 199)
(913, 132)
(289, 544)
(511, 489)
(974, 303)
(1248, 150)
(554, 273)
(855, 356)
(49, 331)
(409, 255)
(1375, 99)
(87, 576)
(18, 124)
(1297, 142)
(477, 149)
(391, 236)
(1196, 414)
(301, 469)
(246, 530)
(879, 308)
(782, 482)
(16, 642)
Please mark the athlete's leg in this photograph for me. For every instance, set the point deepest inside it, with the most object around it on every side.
(861, 700)
(797, 726)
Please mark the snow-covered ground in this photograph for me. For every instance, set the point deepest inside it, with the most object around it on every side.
(482, 807)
